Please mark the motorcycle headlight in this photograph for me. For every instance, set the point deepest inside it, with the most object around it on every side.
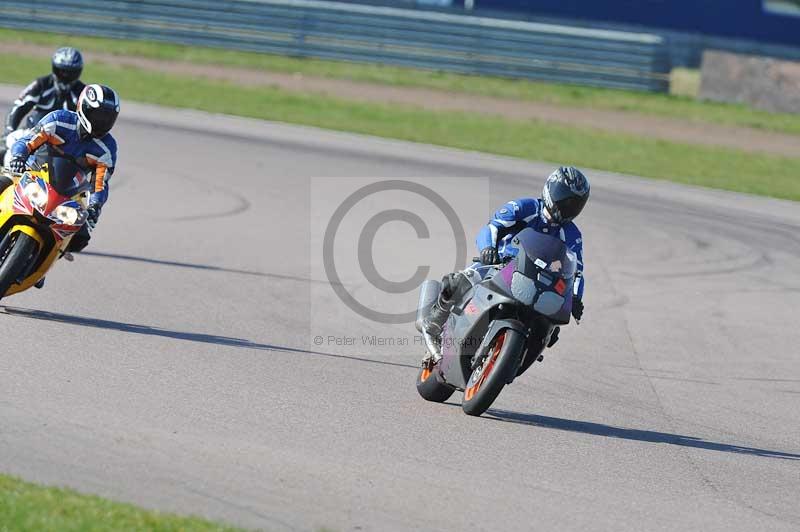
(67, 215)
(36, 194)
(523, 288)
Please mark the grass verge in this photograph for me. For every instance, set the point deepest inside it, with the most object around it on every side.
(674, 106)
(25, 506)
(685, 163)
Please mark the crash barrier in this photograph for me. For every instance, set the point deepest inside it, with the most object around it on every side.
(687, 49)
(757, 22)
(353, 32)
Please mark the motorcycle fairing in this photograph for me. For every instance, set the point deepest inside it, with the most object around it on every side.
(536, 275)
(465, 331)
(64, 186)
(45, 214)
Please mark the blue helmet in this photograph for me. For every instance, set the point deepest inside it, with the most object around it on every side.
(565, 194)
(67, 67)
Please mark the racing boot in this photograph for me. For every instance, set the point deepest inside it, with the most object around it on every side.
(432, 332)
(435, 321)
(454, 287)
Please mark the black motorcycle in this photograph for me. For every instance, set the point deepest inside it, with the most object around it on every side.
(501, 325)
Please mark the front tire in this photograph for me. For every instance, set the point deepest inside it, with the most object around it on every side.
(15, 257)
(488, 379)
(429, 387)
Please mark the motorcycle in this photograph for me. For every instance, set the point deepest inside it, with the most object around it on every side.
(40, 211)
(500, 325)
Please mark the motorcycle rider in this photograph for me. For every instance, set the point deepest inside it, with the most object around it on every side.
(58, 90)
(84, 137)
(564, 195)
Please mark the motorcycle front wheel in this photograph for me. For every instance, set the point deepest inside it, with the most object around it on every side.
(15, 257)
(487, 380)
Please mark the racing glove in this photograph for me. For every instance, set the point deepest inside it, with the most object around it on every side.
(577, 308)
(17, 165)
(93, 214)
(489, 256)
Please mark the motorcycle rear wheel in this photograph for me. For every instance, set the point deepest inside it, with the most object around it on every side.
(15, 259)
(488, 380)
(429, 387)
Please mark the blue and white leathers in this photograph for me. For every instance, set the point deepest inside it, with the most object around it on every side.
(60, 129)
(518, 214)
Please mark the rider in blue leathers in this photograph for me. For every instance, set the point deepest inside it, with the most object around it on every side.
(564, 195)
(82, 136)
(515, 216)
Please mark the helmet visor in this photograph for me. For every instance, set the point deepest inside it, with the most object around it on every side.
(67, 75)
(102, 123)
(569, 208)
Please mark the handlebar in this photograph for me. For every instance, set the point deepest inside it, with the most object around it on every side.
(7, 173)
(503, 261)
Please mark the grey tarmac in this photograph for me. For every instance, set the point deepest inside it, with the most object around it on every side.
(175, 366)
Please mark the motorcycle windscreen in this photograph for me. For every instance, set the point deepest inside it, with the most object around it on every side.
(546, 252)
(66, 177)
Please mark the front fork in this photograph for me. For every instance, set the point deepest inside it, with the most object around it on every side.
(494, 329)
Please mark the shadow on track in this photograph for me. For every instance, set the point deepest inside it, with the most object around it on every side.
(147, 330)
(608, 431)
(203, 267)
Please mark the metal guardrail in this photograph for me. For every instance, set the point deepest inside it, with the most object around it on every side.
(685, 49)
(423, 39)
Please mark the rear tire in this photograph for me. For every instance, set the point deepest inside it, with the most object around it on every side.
(430, 388)
(16, 258)
(499, 366)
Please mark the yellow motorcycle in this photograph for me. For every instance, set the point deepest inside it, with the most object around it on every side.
(40, 212)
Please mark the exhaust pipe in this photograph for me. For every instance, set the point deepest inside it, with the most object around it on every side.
(428, 294)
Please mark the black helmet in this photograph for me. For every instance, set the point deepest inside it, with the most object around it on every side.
(67, 67)
(98, 108)
(565, 193)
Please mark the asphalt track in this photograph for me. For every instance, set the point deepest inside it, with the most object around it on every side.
(174, 366)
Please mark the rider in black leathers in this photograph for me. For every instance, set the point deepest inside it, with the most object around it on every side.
(58, 90)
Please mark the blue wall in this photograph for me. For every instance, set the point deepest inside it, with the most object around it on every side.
(728, 18)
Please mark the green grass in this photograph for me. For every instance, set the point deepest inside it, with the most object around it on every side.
(685, 163)
(675, 106)
(28, 507)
